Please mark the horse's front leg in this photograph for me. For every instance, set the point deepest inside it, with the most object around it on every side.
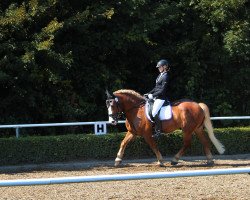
(148, 138)
(128, 137)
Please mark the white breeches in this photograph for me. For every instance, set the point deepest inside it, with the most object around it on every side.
(157, 106)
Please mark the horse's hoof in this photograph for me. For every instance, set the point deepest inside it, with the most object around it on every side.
(210, 163)
(174, 162)
(118, 163)
(160, 164)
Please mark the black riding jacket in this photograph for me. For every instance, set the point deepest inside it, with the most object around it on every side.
(160, 89)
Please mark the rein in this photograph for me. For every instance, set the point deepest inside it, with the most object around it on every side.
(139, 105)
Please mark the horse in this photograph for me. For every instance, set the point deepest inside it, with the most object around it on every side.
(187, 115)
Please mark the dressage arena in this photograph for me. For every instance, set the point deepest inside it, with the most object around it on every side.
(234, 186)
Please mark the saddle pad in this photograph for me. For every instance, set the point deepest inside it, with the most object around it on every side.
(165, 112)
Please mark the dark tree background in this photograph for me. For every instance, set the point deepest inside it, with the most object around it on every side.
(57, 57)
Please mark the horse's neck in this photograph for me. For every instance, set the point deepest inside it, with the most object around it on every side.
(128, 107)
(131, 108)
(133, 111)
(128, 102)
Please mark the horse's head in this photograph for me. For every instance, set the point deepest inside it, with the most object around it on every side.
(114, 109)
(123, 102)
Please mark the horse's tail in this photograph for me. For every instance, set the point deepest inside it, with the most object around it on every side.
(208, 124)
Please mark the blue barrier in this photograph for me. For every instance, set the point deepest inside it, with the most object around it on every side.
(123, 177)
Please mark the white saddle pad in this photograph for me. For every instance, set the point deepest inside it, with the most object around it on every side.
(165, 112)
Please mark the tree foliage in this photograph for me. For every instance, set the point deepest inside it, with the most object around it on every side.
(57, 57)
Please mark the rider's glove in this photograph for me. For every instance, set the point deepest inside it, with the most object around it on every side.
(150, 96)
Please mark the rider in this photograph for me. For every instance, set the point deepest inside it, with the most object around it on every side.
(159, 93)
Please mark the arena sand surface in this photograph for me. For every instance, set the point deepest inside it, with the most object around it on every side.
(203, 188)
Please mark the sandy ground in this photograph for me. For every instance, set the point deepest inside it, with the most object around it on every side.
(206, 187)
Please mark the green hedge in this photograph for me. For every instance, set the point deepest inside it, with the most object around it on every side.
(45, 149)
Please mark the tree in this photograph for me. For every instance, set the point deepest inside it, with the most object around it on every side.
(57, 57)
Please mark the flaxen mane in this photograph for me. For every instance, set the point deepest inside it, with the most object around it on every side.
(130, 92)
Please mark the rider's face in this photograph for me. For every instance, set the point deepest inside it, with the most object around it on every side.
(161, 68)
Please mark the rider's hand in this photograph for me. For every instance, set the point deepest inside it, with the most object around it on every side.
(150, 96)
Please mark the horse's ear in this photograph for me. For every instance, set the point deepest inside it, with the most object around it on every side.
(109, 96)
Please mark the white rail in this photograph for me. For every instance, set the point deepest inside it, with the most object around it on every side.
(122, 177)
(96, 124)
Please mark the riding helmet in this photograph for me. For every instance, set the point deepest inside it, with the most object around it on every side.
(162, 63)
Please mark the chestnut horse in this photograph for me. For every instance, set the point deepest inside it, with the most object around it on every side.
(187, 115)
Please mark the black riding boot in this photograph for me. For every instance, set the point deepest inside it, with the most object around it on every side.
(157, 131)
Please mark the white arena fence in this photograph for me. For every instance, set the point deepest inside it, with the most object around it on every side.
(123, 177)
(100, 127)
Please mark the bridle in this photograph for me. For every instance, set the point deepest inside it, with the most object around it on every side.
(120, 113)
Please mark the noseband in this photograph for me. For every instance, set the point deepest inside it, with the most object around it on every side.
(120, 113)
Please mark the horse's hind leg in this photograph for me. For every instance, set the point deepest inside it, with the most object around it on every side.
(204, 141)
(187, 137)
(128, 137)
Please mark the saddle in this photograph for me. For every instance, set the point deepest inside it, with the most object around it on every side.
(165, 111)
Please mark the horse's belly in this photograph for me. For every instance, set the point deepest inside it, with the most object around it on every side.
(169, 126)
